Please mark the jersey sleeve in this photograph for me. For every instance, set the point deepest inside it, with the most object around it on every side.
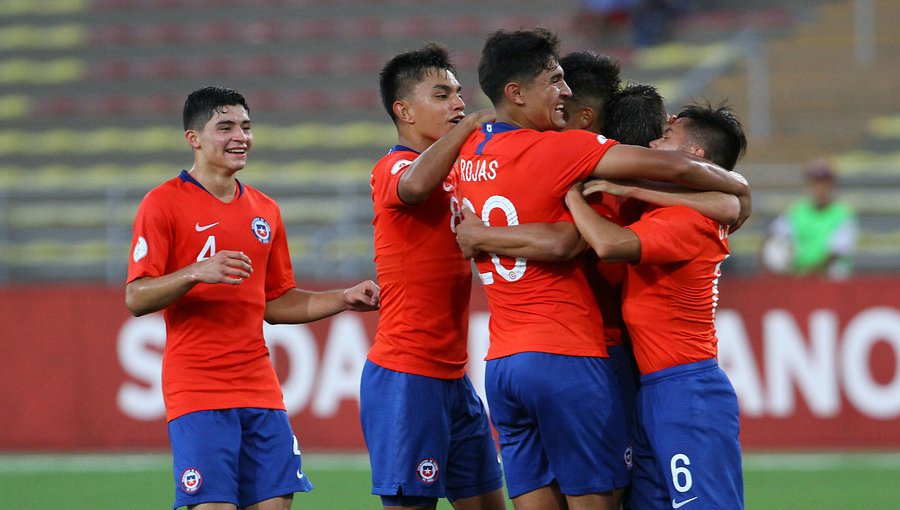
(570, 156)
(151, 238)
(386, 177)
(279, 272)
(670, 234)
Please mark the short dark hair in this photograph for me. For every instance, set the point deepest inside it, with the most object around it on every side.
(515, 55)
(401, 73)
(201, 104)
(635, 115)
(717, 130)
(593, 78)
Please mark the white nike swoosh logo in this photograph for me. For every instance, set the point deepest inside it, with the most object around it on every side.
(200, 228)
(679, 504)
(299, 475)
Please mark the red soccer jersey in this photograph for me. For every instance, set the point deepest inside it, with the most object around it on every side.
(425, 281)
(671, 294)
(215, 355)
(606, 278)
(511, 176)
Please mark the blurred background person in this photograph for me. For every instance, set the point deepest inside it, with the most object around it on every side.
(817, 234)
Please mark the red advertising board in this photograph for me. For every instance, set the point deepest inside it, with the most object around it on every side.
(815, 364)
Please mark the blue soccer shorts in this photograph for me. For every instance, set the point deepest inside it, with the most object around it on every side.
(558, 418)
(687, 453)
(427, 437)
(238, 456)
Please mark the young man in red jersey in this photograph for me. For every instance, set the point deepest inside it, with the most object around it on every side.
(426, 429)
(687, 450)
(559, 436)
(211, 253)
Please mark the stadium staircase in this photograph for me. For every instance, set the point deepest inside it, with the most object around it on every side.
(91, 93)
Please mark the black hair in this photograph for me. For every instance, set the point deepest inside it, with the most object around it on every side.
(635, 115)
(717, 130)
(401, 74)
(515, 55)
(593, 78)
(202, 104)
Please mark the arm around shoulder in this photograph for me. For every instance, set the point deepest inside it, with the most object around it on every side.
(430, 169)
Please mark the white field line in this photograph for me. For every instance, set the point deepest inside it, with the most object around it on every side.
(117, 462)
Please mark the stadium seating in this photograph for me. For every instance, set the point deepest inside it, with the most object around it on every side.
(92, 89)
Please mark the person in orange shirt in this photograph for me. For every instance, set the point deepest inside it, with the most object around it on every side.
(551, 392)
(211, 253)
(425, 427)
(687, 450)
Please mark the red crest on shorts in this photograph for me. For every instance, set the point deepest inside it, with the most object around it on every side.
(428, 470)
(191, 480)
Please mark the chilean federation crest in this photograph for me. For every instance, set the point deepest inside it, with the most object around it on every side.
(261, 229)
(428, 470)
(191, 480)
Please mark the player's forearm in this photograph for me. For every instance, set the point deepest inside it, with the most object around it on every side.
(152, 294)
(720, 207)
(547, 242)
(297, 306)
(610, 241)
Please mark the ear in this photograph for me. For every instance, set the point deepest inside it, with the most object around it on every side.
(192, 138)
(698, 151)
(586, 118)
(403, 112)
(514, 93)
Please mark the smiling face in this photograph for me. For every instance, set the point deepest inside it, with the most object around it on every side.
(433, 106)
(224, 142)
(544, 100)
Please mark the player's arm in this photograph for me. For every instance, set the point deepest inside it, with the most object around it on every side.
(430, 169)
(633, 162)
(533, 241)
(298, 306)
(720, 207)
(610, 241)
(153, 293)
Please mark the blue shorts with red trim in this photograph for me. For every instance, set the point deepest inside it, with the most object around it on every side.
(558, 418)
(427, 437)
(687, 452)
(238, 456)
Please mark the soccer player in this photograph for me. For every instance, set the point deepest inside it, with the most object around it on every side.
(687, 450)
(551, 392)
(426, 429)
(594, 81)
(211, 253)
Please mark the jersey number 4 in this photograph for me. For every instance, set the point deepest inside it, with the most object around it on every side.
(209, 249)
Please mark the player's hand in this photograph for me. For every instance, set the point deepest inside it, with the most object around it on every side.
(467, 232)
(746, 206)
(476, 119)
(616, 188)
(230, 267)
(574, 193)
(363, 297)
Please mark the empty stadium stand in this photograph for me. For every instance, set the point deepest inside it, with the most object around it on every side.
(91, 94)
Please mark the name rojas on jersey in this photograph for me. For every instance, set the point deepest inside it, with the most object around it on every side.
(471, 170)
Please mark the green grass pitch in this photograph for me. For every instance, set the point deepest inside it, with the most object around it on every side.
(817, 481)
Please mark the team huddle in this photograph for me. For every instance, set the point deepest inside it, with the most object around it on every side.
(597, 224)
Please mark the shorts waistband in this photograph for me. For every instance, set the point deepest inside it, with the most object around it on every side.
(677, 370)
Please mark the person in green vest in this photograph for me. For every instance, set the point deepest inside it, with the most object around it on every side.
(817, 234)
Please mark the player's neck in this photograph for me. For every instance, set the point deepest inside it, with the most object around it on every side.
(221, 185)
(514, 116)
(414, 141)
